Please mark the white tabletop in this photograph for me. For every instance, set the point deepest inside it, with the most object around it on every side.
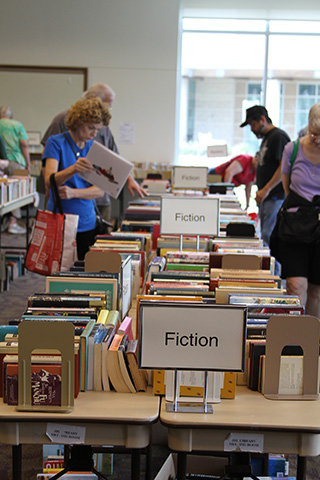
(110, 418)
(289, 426)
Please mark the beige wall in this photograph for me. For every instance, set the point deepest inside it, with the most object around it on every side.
(130, 44)
(271, 10)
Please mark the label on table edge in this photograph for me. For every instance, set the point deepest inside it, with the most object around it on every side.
(65, 434)
(246, 442)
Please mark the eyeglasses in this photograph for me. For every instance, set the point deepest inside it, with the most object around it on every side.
(314, 136)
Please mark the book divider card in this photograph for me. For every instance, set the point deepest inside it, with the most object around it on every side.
(111, 262)
(170, 339)
(302, 330)
(51, 335)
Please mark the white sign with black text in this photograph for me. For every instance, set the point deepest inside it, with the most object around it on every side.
(189, 215)
(191, 336)
(190, 177)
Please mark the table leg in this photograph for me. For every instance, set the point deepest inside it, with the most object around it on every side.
(16, 462)
(182, 466)
(301, 468)
(135, 463)
(148, 475)
(27, 228)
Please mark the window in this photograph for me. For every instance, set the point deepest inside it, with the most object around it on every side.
(308, 95)
(224, 70)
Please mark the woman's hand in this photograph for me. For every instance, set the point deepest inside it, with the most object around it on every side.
(66, 193)
(83, 165)
(133, 186)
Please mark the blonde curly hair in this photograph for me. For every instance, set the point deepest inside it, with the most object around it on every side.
(87, 111)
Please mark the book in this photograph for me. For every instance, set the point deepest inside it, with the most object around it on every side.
(64, 311)
(222, 293)
(113, 319)
(9, 351)
(190, 285)
(45, 384)
(182, 291)
(157, 264)
(265, 300)
(187, 257)
(68, 476)
(124, 368)
(107, 286)
(139, 376)
(56, 462)
(67, 300)
(166, 275)
(102, 316)
(97, 353)
(104, 357)
(247, 282)
(92, 339)
(114, 372)
(125, 328)
(197, 267)
(110, 170)
(84, 337)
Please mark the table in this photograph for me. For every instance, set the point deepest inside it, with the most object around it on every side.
(291, 427)
(110, 418)
(12, 205)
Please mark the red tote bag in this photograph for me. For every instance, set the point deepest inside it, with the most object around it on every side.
(45, 249)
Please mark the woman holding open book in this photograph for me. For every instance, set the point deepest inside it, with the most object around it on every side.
(65, 157)
(298, 219)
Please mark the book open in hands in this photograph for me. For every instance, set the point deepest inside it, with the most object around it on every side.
(110, 170)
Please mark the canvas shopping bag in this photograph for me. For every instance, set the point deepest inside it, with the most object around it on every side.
(69, 247)
(53, 246)
(45, 249)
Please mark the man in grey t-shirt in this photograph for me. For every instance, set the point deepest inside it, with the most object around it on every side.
(104, 136)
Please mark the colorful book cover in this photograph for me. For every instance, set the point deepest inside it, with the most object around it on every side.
(45, 384)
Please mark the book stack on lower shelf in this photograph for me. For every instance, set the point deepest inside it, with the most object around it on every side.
(11, 267)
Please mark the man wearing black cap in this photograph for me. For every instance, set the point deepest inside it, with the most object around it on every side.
(270, 194)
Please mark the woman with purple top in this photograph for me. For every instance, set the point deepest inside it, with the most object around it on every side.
(301, 261)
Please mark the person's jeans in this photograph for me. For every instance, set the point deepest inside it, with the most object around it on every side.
(268, 211)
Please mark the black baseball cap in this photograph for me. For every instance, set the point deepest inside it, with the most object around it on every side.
(254, 112)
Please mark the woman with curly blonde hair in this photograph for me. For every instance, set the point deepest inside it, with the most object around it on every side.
(65, 156)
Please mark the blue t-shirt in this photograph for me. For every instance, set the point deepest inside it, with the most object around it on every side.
(57, 147)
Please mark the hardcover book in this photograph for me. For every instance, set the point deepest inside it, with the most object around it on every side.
(139, 377)
(110, 170)
(45, 384)
(104, 358)
(114, 372)
(107, 286)
(124, 368)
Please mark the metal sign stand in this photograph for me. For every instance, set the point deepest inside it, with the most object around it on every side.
(189, 407)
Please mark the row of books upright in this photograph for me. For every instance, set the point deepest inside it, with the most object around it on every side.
(105, 350)
(12, 188)
(238, 271)
(11, 267)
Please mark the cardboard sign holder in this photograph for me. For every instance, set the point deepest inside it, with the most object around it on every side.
(55, 336)
(282, 330)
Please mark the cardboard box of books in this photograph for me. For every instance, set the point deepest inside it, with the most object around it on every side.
(199, 467)
(196, 464)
